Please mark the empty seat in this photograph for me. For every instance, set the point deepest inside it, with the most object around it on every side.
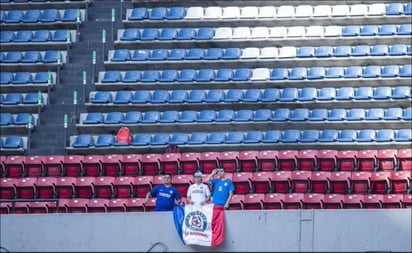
(187, 75)
(328, 135)
(390, 71)
(196, 96)
(168, 34)
(270, 95)
(253, 137)
(371, 71)
(130, 34)
(13, 16)
(149, 34)
(158, 54)
(138, 13)
(205, 33)
(150, 76)
(22, 78)
(50, 15)
(213, 53)
(142, 139)
(224, 74)
(234, 95)
(207, 116)
(405, 29)
(356, 114)
(326, 93)
(178, 96)
(102, 97)
(177, 54)
(234, 137)
(279, 74)
(168, 75)
(32, 16)
(363, 93)
(366, 135)
(104, 140)
(337, 114)
(111, 76)
(113, 118)
(403, 135)
(83, 140)
(186, 34)
(121, 55)
(157, 13)
(94, 118)
(351, 30)
(194, 12)
(132, 117)
(231, 53)
(252, 95)
(262, 115)
(385, 135)
(215, 96)
(141, 96)
(299, 114)
(241, 32)
(309, 136)
(289, 95)
(398, 49)
(12, 57)
(405, 70)
(308, 94)
(225, 115)
(160, 139)
(197, 138)
(318, 114)
(41, 36)
(394, 9)
(216, 138)
(345, 93)
(70, 15)
(387, 30)
(401, 92)
(176, 13)
(123, 97)
(369, 30)
(242, 74)
(205, 75)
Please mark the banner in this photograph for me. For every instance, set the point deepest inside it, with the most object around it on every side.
(200, 225)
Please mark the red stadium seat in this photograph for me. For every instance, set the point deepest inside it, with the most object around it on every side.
(33, 166)
(170, 163)
(92, 165)
(65, 187)
(46, 187)
(104, 187)
(353, 201)
(267, 160)
(2, 165)
(229, 160)
(333, 201)
(248, 161)
(137, 205)
(372, 201)
(319, 182)
(287, 159)
(360, 182)
(142, 185)
(327, 159)
(273, 201)
(380, 182)
(281, 181)
(84, 187)
(5, 207)
(60, 207)
(97, 205)
(313, 200)
(111, 165)
(404, 159)
(26, 187)
(149, 207)
(77, 205)
(293, 201)
(367, 160)
(8, 188)
(242, 182)
(123, 187)
(407, 201)
(150, 164)
(37, 207)
(19, 208)
(347, 160)
(392, 200)
(131, 165)
(339, 182)
(386, 159)
(117, 205)
(53, 165)
(300, 181)
(261, 182)
(189, 162)
(73, 165)
(307, 159)
(182, 183)
(253, 201)
(208, 161)
(14, 166)
(237, 202)
(400, 181)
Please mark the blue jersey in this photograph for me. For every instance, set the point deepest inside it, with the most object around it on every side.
(221, 190)
(165, 197)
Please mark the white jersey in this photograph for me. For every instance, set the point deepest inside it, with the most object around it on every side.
(198, 192)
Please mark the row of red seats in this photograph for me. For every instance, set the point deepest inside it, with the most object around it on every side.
(187, 163)
(255, 201)
(338, 182)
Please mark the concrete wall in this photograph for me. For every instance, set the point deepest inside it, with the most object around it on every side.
(283, 230)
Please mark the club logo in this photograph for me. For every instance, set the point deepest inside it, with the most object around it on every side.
(196, 221)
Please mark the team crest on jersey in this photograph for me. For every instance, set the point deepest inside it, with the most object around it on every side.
(196, 221)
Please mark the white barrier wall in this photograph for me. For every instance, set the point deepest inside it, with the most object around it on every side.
(283, 230)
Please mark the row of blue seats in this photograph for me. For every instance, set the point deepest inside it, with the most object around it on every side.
(258, 74)
(22, 118)
(26, 77)
(246, 115)
(289, 94)
(16, 98)
(161, 54)
(228, 33)
(61, 35)
(251, 12)
(43, 16)
(251, 137)
(49, 56)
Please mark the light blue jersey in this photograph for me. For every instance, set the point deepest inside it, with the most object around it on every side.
(221, 190)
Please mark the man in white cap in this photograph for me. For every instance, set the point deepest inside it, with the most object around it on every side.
(198, 193)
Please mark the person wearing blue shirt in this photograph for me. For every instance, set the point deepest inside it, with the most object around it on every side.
(223, 188)
(166, 195)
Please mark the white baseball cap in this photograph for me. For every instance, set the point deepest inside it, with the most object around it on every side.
(198, 174)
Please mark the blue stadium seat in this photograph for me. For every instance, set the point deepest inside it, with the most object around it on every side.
(401, 92)
(360, 50)
(387, 30)
(23, 36)
(390, 71)
(83, 141)
(6, 36)
(111, 76)
(363, 92)
(32, 16)
(132, 76)
(213, 53)
(206, 116)
(272, 136)
(408, 9)
(262, 115)
(225, 115)
(404, 29)
(253, 137)
(159, 54)
(369, 30)
(232, 53)
(252, 95)
(138, 13)
(160, 96)
(235, 137)
(158, 13)
(379, 50)
(366, 135)
(316, 73)
(169, 117)
(234, 95)
(394, 9)
(244, 115)
(342, 51)
(299, 114)
(242, 74)
(298, 73)
(407, 113)
(328, 135)
(177, 54)
(50, 15)
(215, 96)
(188, 116)
(121, 55)
(351, 30)
(150, 117)
(308, 136)
(41, 36)
(291, 136)
(375, 114)
(132, 117)
(279, 74)
(102, 97)
(23, 118)
(335, 72)
(149, 34)
(205, 75)
(405, 70)
(113, 118)
(205, 33)
(187, 75)
(356, 114)
(403, 135)
(176, 13)
(281, 114)
(347, 135)
(337, 114)
(6, 77)
(305, 51)
(150, 76)
(42, 77)
(195, 54)
(12, 57)
(32, 98)
(289, 94)
(13, 16)
(141, 55)
(179, 139)
(270, 95)
(168, 34)
(398, 49)
(353, 72)
(196, 96)
(393, 113)
(324, 51)
(186, 33)
(104, 140)
(13, 98)
(372, 71)
(51, 56)
(319, 114)
(130, 34)
(141, 139)
(224, 74)
(178, 96)
(70, 15)
(197, 138)
(13, 141)
(382, 92)
(123, 97)
(31, 57)
(169, 75)
(385, 135)
(308, 94)
(22, 78)
(216, 138)
(6, 119)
